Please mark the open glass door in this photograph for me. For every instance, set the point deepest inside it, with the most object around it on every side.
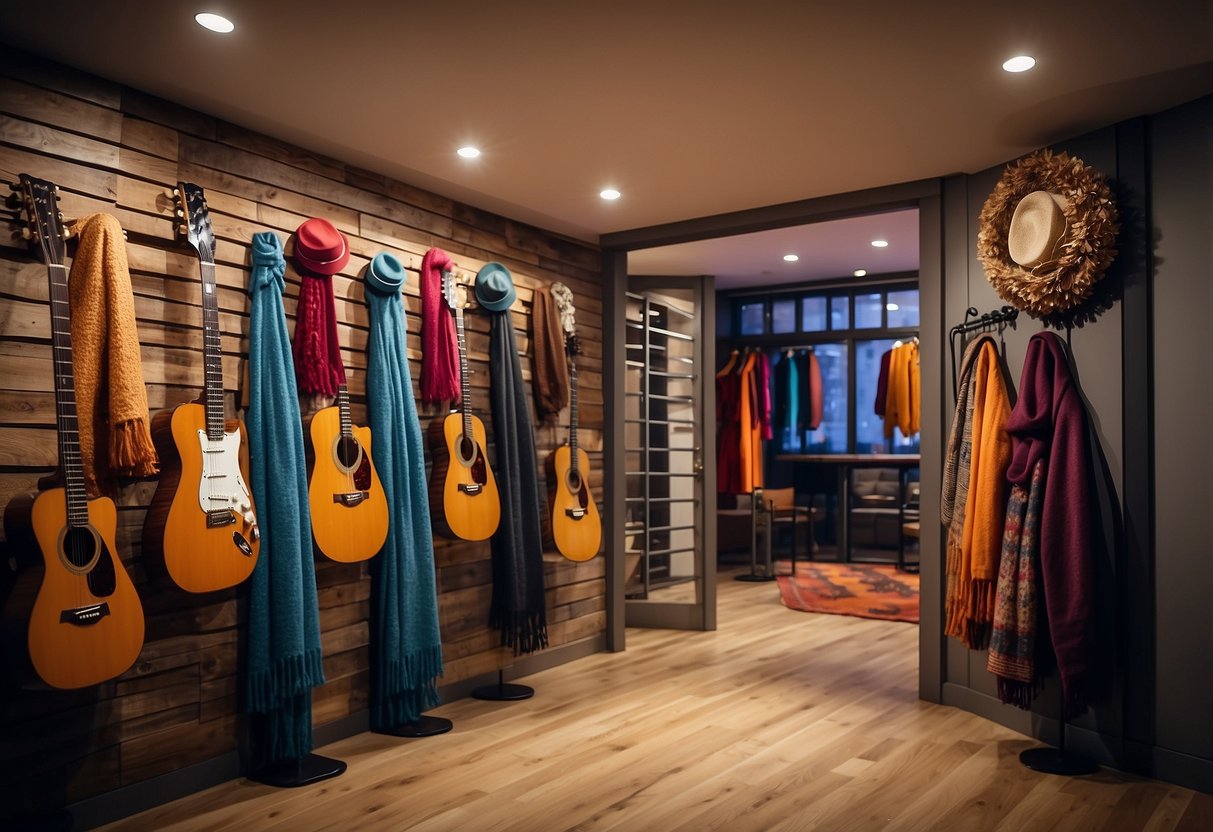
(669, 534)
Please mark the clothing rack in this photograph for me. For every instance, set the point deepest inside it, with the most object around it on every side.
(996, 318)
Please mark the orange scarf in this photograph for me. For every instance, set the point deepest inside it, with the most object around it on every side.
(111, 399)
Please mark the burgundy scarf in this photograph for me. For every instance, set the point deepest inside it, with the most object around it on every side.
(318, 365)
(439, 347)
(1049, 426)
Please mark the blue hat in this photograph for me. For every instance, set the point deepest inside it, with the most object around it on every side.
(385, 274)
(495, 288)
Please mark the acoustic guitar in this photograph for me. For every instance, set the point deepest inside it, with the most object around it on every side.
(576, 525)
(461, 481)
(348, 506)
(82, 618)
(201, 525)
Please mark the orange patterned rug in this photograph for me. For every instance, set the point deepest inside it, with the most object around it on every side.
(861, 589)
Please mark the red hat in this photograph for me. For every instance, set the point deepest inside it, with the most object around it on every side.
(320, 247)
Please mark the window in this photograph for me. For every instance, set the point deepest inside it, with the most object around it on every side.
(753, 318)
(840, 312)
(869, 428)
(902, 307)
(831, 435)
(868, 310)
(783, 316)
(813, 314)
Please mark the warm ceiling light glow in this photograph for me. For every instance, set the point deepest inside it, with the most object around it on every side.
(214, 22)
(892, 307)
(860, 272)
(880, 243)
(468, 152)
(791, 258)
(1020, 63)
(609, 193)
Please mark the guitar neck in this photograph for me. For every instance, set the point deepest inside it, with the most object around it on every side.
(464, 386)
(65, 397)
(573, 412)
(343, 410)
(212, 350)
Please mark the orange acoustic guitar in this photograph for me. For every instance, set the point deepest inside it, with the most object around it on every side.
(85, 621)
(201, 525)
(461, 480)
(576, 525)
(348, 506)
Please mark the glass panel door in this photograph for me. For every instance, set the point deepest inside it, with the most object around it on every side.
(669, 580)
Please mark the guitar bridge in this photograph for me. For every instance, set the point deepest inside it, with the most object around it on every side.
(219, 518)
(351, 498)
(84, 616)
(575, 513)
(471, 488)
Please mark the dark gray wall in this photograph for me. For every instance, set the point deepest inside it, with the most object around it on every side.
(1181, 160)
(1155, 621)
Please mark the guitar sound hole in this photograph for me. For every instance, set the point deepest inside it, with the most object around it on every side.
(79, 546)
(467, 448)
(347, 451)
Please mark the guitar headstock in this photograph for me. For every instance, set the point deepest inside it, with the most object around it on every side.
(572, 345)
(196, 225)
(44, 223)
(454, 293)
(562, 296)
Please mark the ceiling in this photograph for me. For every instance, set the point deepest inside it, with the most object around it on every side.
(689, 107)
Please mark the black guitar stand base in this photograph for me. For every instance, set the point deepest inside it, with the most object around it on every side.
(425, 726)
(291, 774)
(503, 691)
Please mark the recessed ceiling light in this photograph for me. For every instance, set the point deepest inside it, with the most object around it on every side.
(892, 307)
(1020, 63)
(860, 272)
(214, 22)
(468, 152)
(880, 243)
(609, 193)
(791, 258)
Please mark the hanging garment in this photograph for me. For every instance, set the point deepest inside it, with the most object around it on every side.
(519, 606)
(407, 645)
(439, 345)
(551, 364)
(908, 419)
(111, 398)
(319, 369)
(762, 384)
(787, 392)
(814, 409)
(284, 659)
(1049, 427)
(882, 383)
(902, 400)
(975, 562)
(1012, 656)
(728, 420)
(750, 439)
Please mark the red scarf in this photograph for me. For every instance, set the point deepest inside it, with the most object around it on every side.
(318, 366)
(439, 349)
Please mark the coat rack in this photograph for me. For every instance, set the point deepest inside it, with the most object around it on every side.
(998, 317)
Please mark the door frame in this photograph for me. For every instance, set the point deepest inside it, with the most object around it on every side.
(923, 194)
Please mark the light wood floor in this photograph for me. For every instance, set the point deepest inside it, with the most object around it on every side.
(780, 720)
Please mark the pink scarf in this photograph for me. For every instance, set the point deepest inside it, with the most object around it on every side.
(439, 349)
(318, 366)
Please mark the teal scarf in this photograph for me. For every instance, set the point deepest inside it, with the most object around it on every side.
(284, 658)
(407, 647)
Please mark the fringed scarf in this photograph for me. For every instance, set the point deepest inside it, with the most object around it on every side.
(319, 369)
(1013, 643)
(1049, 428)
(284, 657)
(519, 608)
(439, 344)
(973, 554)
(407, 646)
(111, 399)
(551, 365)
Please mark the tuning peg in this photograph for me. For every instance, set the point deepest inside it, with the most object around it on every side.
(180, 213)
(183, 229)
(176, 193)
(15, 187)
(26, 234)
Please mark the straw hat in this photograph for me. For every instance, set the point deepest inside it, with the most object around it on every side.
(1047, 233)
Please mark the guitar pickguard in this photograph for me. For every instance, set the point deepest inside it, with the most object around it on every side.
(222, 492)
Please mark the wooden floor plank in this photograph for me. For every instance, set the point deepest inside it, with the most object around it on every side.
(780, 720)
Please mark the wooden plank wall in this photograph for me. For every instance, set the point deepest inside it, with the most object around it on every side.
(116, 150)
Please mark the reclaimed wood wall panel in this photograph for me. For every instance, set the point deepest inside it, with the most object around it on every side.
(120, 151)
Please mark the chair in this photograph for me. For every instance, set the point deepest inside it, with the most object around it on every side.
(875, 516)
(910, 516)
(783, 512)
